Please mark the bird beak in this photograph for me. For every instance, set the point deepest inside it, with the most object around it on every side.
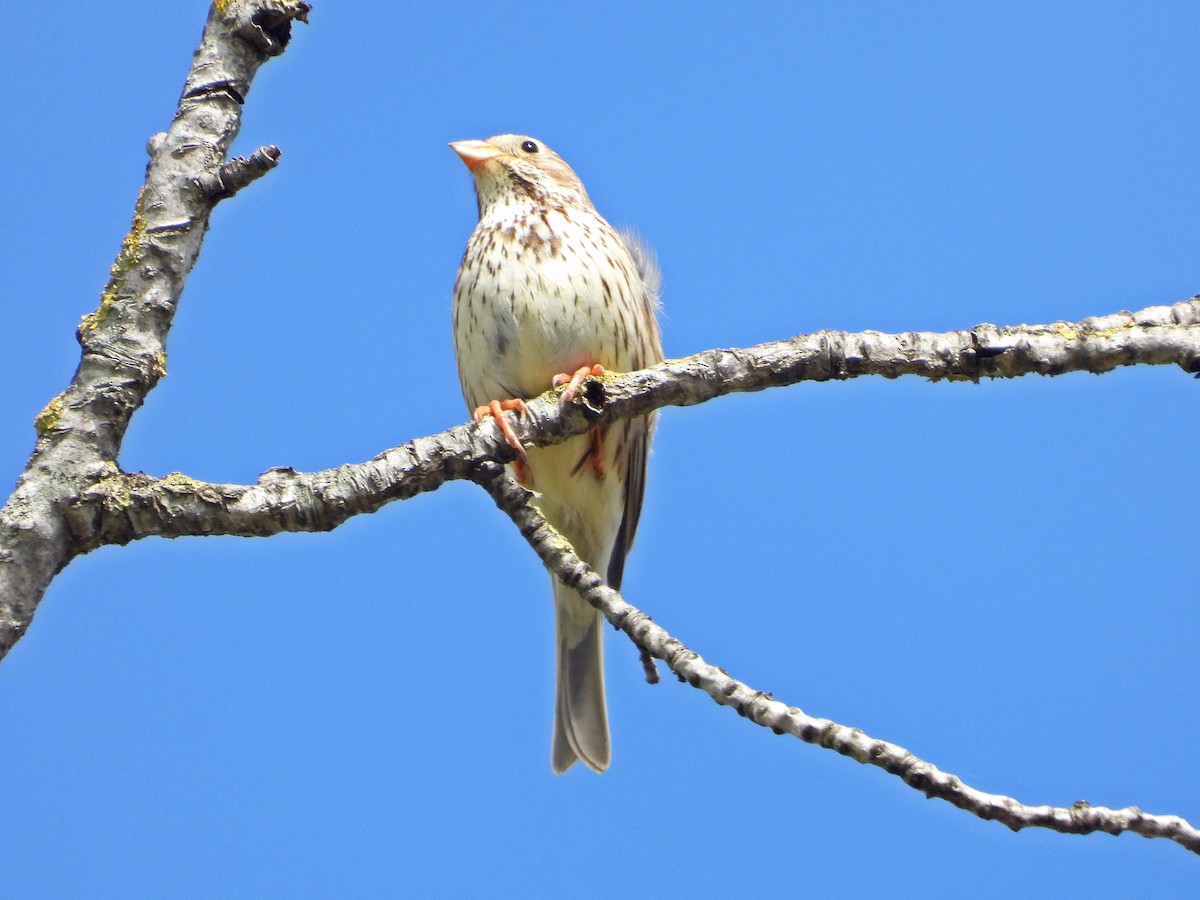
(475, 153)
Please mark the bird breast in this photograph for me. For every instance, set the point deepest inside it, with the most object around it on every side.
(539, 294)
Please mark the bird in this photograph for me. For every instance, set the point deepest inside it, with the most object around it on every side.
(549, 293)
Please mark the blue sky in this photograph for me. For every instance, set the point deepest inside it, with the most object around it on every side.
(999, 577)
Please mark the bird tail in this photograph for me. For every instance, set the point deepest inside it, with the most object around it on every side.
(580, 714)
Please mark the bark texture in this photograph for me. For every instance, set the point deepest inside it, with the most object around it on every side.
(124, 340)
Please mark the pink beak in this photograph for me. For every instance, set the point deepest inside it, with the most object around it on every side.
(475, 153)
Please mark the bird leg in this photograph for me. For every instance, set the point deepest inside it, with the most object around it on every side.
(593, 454)
(596, 448)
(496, 409)
(597, 453)
(573, 381)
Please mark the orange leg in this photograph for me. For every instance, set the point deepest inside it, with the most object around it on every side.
(597, 453)
(496, 409)
(594, 456)
(573, 381)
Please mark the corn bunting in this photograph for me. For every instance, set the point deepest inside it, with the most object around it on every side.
(548, 293)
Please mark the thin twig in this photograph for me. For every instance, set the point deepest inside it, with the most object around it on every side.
(761, 708)
(237, 173)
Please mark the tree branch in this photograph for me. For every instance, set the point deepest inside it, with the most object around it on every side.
(118, 508)
(73, 497)
(124, 353)
(763, 709)
(238, 173)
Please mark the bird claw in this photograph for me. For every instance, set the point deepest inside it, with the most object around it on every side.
(496, 410)
(574, 381)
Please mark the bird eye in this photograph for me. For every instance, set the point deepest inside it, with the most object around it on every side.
(529, 147)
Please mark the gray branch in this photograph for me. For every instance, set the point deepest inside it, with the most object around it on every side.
(98, 504)
(239, 172)
(113, 507)
(763, 709)
(124, 352)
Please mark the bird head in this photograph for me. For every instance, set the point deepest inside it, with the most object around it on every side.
(518, 169)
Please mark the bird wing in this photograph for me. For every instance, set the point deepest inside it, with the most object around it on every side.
(651, 276)
(638, 431)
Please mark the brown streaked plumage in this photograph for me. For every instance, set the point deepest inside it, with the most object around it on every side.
(547, 288)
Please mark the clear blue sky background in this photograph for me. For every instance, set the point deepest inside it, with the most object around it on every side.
(999, 577)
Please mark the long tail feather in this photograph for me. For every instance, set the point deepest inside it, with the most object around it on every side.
(580, 717)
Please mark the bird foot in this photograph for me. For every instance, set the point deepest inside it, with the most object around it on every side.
(573, 381)
(496, 409)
